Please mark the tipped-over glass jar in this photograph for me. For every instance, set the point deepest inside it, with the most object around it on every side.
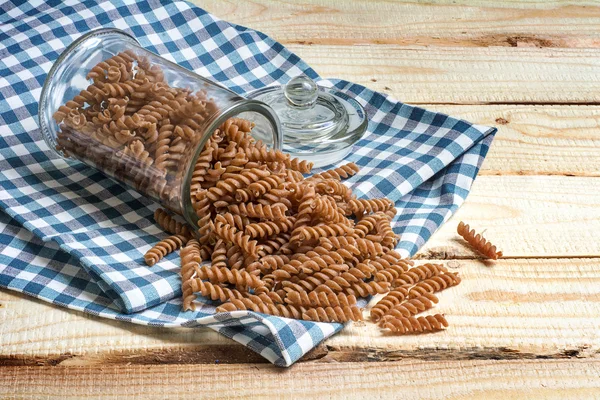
(139, 118)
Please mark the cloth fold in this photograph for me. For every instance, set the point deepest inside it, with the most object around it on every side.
(74, 237)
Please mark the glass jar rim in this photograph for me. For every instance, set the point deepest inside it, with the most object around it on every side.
(242, 105)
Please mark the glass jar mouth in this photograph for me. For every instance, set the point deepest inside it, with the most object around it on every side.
(51, 77)
(241, 106)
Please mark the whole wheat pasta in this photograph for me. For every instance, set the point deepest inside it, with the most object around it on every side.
(418, 274)
(275, 196)
(333, 187)
(190, 258)
(320, 231)
(164, 247)
(170, 225)
(262, 186)
(478, 242)
(277, 242)
(362, 206)
(268, 228)
(253, 210)
(210, 290)
(274, 244)
(343, 172)
(322, 299)
(229, 233)
(434, 284)
(429, 323)
(218, 257)
(394, 297)
(366, 225)
(237, 221)
(226, 275)
(333, 314)
(411, 307)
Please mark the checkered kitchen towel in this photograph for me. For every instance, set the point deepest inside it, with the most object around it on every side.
(71, 236)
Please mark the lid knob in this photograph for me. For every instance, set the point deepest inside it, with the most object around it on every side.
(301, 92)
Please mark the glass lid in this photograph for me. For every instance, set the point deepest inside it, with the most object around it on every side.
(319, 124)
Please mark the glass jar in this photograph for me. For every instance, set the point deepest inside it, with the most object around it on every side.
(138, 117)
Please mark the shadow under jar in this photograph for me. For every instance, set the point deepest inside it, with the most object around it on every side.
(140, 118)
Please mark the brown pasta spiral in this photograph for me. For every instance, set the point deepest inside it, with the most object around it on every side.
(253, 210)
(322, 299)
(418, 274)
(333, 187)
(362, 206)
(169, 224)
(343, 172)
(434, 284)
(268, 228)
(412, 306)
(429, 323)
(364, 289)
(321, 231)
(226, 275)
(394, 297)
(478, 242)
(211, 290)
(230, 234)
(333, 314)
(164, 247)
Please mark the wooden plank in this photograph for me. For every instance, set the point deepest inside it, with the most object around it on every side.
(550, 379)
(474, 23)
(509, 309)
(537, 140)
(456, 75)
(526, 216)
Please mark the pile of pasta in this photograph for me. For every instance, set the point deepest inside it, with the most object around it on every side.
(269, 238)
(273, 241)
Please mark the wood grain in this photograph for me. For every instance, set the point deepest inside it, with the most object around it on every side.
(537, 140)
(491, 314)
(489, 379)
(526, 216)
(471, 23)
(454, 75)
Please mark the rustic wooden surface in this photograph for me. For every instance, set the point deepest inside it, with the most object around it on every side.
(525, 326)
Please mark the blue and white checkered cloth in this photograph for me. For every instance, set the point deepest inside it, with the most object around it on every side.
(71, 236)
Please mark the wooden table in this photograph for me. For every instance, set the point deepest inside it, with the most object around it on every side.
(525, 326)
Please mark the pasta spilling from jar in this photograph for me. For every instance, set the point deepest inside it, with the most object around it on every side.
(269, 239)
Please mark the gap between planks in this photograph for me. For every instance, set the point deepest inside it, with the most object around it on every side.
(407, 379)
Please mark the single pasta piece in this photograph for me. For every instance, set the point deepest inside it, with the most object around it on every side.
(343, 172)
(226, 275)
(434, 284)
(333, 314)
(319, 299)
(412, 307)
(418, 274)
(164, 247)
(210, 290)
(394, 297)
(403, 325)
(478, 242)
(170, 225)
